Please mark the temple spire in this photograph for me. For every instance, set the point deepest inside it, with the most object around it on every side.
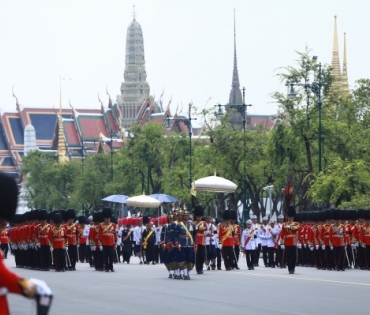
(344, 73)
(335, 63)
(235, 93)
(62, 152)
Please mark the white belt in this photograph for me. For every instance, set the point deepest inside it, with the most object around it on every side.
(3, 291)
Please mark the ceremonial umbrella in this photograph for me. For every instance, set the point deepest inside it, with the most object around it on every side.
(215, 184)
(143, 201)
(163, 198)
(116, 198)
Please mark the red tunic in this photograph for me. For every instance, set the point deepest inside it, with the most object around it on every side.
(57, 237)
(237, 234)
(23, 235)
(347, 234)
(81, 239)
(8, 283)
(306, 231)
(107, 234)
(201, 228)
(4, 236)
(312, 235)
(356, 232)
(43, 234)
(325, 234)
(71, 233)
(288, 234)
(366, 234)
(92, 236)
(13, 235)
(300, 234)
(336, 235)
(225, 235)
(32, 233)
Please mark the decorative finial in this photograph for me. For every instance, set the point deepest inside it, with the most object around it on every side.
(16, 99)
(110, 101)
(134, 13)
(101, 103)
(235, 60)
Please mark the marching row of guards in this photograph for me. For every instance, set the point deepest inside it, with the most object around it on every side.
(39, 239)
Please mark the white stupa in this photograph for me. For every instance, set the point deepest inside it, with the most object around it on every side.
(29, 145)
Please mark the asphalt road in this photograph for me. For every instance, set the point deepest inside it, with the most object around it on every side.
(145, 289)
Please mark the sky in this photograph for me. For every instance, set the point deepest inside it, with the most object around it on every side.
(188, 48)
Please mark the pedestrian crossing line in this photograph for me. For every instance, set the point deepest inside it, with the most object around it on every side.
(306, 279)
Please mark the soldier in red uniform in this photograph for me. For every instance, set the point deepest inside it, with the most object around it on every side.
(337, 240)
(357, 240)
(288, 239)
(201, 227)
(96, 245)
(108, 238)
(58, 243)
(365, 237)
(226, 239)
(348, 238)
(321, 250)
(43, 230)
(4, 240)
(325, 237)
(72, 234)
(237, 235)
(9, 281)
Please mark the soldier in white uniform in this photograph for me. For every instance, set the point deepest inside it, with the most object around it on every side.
(88, 248)
(265, 236)
(256, 226)
(157, 248)
(211, 251)
(138, 233)
(271, 243)
(248, 244)
(217, 246)
(119, 242)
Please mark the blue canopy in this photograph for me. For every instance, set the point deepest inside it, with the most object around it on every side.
(164, 198)
(116, 198)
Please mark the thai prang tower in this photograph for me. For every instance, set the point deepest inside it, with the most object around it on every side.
(134, 89)
(235, 97)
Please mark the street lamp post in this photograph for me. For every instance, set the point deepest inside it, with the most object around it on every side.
(316, 88)
(242, 109)
(82, 171)
(148, 171)
(187, 122)
(269, 189)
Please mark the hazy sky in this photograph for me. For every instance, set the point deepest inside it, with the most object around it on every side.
(188, 47)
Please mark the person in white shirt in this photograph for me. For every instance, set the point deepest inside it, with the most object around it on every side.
(248, 244)
(157, 248)
(272, 243)
(138, 233)
(256, 226)
(218, 246)
(211, 252)
(119, 242)
(265, 236)
(89, 252)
